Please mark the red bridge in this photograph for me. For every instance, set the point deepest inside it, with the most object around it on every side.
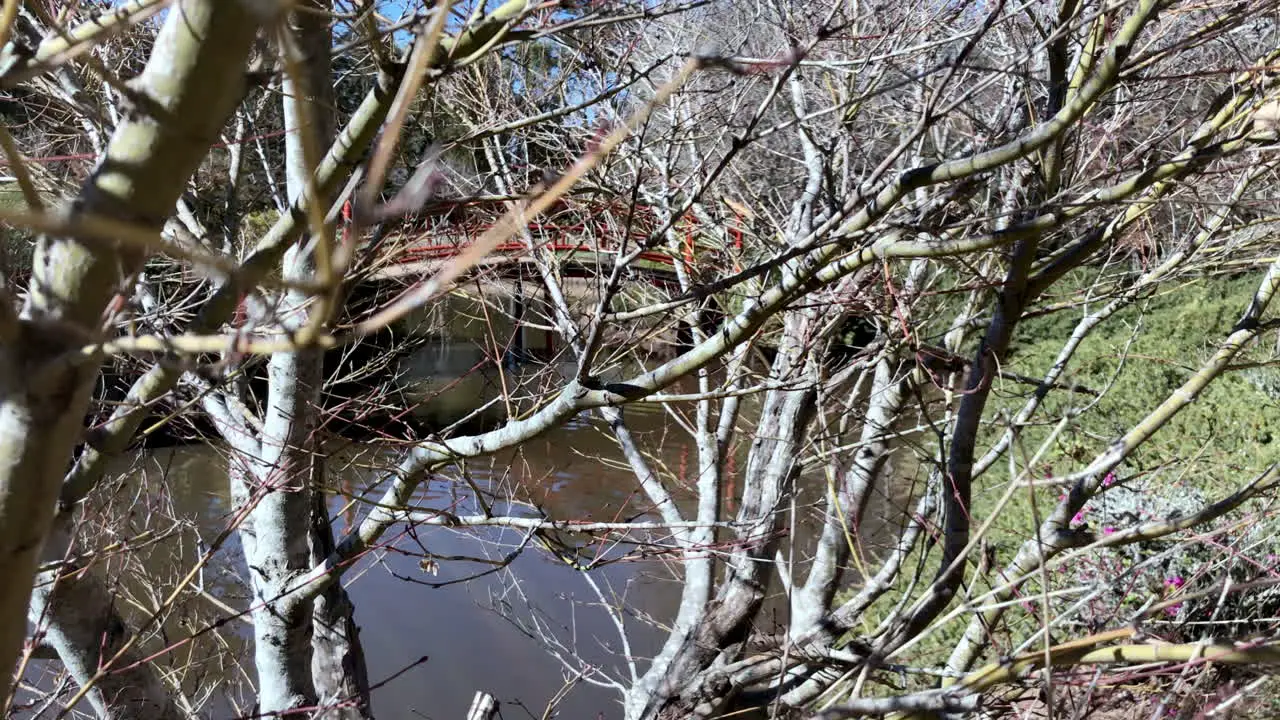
(588, 238)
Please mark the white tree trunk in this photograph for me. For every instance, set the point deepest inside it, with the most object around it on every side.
(74, 615)
(673, 690)
(306, 650)
(275, 545)
(43, 395)
(811, 604)
(483, 707)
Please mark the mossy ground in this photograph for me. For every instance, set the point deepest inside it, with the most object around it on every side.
(1140, 356)
(1137, 359)
(18, 245)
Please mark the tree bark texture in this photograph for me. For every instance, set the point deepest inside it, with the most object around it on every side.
(189, 87)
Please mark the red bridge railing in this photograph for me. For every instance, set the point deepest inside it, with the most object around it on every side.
(596, 234)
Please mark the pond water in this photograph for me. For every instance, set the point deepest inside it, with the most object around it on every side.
(491, 633)
(525, 632)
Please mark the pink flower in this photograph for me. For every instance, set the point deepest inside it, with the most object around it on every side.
(1109, 479)
(1108, 530)
(1172, 584)
(1079, 518)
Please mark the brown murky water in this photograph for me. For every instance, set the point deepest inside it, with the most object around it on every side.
(499, 633)
(524, 632)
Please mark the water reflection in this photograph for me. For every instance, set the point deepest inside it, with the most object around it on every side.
(489, 634)
(521, 632)
(492, 633)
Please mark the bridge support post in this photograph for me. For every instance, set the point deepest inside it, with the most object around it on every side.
(516, 349)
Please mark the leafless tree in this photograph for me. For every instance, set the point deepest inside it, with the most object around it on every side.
(816, 250)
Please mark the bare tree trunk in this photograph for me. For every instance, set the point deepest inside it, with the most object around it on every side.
(73, 611)
(699, 565)
(767, 481)
(280, 485)
(811, 604)
(193, 78)
(483, 707)
(338, 663)
(277, 549)
(958, 480)
(307, 652)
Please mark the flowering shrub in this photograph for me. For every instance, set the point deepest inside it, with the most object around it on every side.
(1130, 579)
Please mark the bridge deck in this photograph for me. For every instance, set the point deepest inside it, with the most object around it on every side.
(426, 258)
